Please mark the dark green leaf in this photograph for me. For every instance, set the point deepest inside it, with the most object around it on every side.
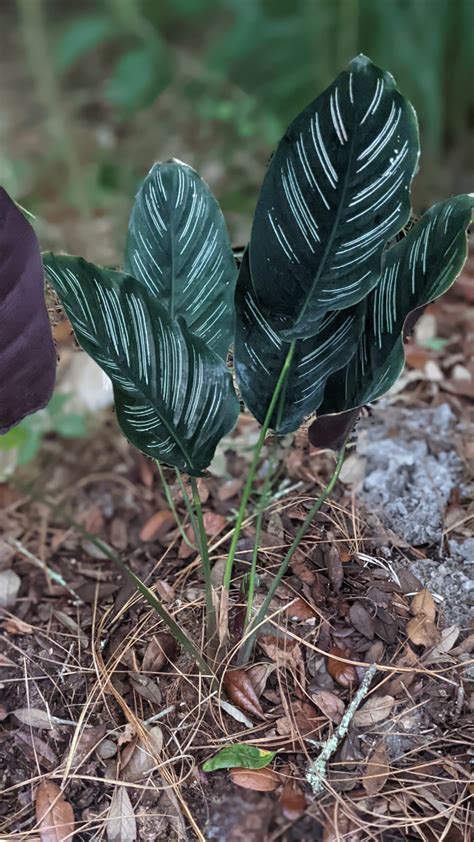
(173, 395)
(139, 76)
(416, 270)
(178, 246)
(240, 755)
(260, 353)
(84, 34)
(336, 190)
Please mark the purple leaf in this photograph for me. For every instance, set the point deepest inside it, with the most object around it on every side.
(331, 431)
(27, 353)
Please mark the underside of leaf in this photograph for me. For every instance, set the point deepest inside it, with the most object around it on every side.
(27, 353)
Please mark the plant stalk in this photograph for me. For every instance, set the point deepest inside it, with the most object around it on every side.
(172, 506)
(206, 564)
(254, 465)
(248, 645)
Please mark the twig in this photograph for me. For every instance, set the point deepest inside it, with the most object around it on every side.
(317, 772)
(50, 574)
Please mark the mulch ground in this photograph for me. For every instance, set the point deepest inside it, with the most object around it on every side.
(106, 719)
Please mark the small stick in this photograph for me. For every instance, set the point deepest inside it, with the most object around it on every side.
(316, 774)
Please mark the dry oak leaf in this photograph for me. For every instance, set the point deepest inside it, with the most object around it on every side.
(376, 770)
(54, 814)
(240, 690)
(285, 653)
(260, 780)
(331, 705)
(362, 620)
(300, 610)
(213, 523)
(345, 674)
(13, 625)
(423, 603)
(121, 823)
(376, 709)
(422, 632)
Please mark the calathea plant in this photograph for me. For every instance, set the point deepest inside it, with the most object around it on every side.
(314, 317)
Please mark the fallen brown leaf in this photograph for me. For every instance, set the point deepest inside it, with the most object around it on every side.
(157, 526)
(259, 675)
(292, 801)
(121, 825)
(285, 653)
(362, 620)
(54, 814)
(240, 690)
(161, 648)
(13, 625)
(342, 672)
(376, 770)
(331, 705)
(260, 780)
(375, 709)
(423, 603)
(213, 523)
(37, 750)
(335, 568)
(422, 632)
(36, 718)
(300, 610)
(229, 489)
(140, 759)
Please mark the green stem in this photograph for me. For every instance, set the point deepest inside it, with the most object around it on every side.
(172, 506)
(290, 553)
(254, 465)
(206, 564)
(263, 502)
(187, 502)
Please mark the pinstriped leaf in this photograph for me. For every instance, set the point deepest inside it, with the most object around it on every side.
(337, 189)
(178, 246)
(418, 269)
(260, 353)
(27, 353)
(173, 395)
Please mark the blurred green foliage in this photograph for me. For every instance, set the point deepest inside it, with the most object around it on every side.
(24, 441)
(265, 59)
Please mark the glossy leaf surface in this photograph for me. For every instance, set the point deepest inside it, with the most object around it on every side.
(27, 353)
(260, 353)
(178, 246)
(337, 189)
(417, 270)
(173, 395)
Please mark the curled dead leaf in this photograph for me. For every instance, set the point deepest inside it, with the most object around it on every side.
(54, 814)
(260, 780)
(375, 709)
(335, 568)
(240, 690)
(422, 632)
(345, 674)
(300, 610)
(157, 526)
(13, 625)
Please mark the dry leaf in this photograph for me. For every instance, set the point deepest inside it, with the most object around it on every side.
(6, 662)
(71, 624)
(13, 625)
(335, 568)
(342, 672)
(260, 780)
(376, 770)
(88, 741)
(161, 648)
(376, 709)
(36, 718)
(292, 802)
(9, 586)
(259, 675)
(240, 690)
(54, 814)
(302, 721)
(331, 705)
(422, 632)
(361, 620)
(285, 653)
(229, 489)
(157, 526)
(213, 523)
(423, 603)
(449, 637)
(121, 825)
(141, 760)
(36, 749)
(300, 610)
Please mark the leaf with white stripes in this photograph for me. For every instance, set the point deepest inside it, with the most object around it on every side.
(418, 269)
(178, 246)
(336, 191)
(260, 353)
(173, 395)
